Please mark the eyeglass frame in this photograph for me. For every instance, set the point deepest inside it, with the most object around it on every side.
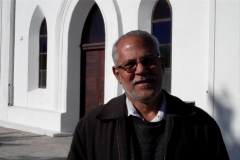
(135, 66)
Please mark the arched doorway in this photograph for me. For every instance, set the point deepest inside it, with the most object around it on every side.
(92, 62)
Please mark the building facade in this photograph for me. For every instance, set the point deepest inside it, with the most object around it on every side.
(55, 58)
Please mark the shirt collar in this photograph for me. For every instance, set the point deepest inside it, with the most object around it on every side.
(160, 115)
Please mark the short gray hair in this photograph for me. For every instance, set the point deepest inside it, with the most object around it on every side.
(138, 33)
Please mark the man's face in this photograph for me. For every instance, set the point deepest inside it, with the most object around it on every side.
(144, 84)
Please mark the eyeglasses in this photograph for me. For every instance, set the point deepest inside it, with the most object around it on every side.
(130, 65)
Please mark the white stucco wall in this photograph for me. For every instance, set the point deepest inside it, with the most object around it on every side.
(23, 95)
(7, 27)
(129, 14)
(190, 42)
(227, 73)
(38, 117)
(0, 33)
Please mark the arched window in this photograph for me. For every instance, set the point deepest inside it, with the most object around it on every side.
(43, 55)
(161, 28)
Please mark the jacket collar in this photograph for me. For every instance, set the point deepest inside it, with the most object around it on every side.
(117, 108)
(176, 107)
(114, 109)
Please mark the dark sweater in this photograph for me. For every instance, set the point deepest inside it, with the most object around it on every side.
(147, 140)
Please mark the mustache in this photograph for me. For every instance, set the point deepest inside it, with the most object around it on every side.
(143, 79)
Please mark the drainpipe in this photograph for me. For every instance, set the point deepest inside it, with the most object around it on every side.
(11, 54)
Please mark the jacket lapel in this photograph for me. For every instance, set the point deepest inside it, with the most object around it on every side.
(178, 114)
(116, 110)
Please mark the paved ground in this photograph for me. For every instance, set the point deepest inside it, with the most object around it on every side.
(15, 145)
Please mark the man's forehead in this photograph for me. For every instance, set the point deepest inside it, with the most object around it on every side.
(132, 42)
(132, 38)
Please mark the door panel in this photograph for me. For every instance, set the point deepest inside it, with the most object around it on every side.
(101, 77)
(94, 79)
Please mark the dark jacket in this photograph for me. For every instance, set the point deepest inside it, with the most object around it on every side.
(190, 133)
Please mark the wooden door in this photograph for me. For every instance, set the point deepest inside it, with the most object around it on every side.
(92, 61)
(92, 79)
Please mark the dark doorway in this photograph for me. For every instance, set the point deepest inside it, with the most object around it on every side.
(92, 62)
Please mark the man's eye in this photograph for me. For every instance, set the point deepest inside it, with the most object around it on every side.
(148, 61)
(129, 64)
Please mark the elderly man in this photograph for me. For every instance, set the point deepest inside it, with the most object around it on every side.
(145, 122)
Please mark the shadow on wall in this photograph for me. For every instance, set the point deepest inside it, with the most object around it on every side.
(223, 114)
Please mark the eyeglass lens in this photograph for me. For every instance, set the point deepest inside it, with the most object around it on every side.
(131, 64)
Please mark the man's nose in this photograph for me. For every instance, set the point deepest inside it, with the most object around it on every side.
(141, 69)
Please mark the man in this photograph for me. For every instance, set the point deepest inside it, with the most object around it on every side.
(146, 122)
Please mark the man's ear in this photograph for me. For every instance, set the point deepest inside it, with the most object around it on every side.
(116, 73)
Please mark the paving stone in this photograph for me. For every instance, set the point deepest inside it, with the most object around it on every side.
(18, 145)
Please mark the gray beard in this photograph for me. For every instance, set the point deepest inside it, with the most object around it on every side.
(145, 98)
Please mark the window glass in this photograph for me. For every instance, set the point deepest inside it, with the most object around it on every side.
(166, 51)
(43, 30)
(43, 60)
(42, 78)
(43, 55)
(161, 29)
(94, 31)
(162, 10)
(43, 44)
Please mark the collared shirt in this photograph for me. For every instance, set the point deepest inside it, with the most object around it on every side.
(160, 115)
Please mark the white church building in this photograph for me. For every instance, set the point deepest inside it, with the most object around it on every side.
(56, 62)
